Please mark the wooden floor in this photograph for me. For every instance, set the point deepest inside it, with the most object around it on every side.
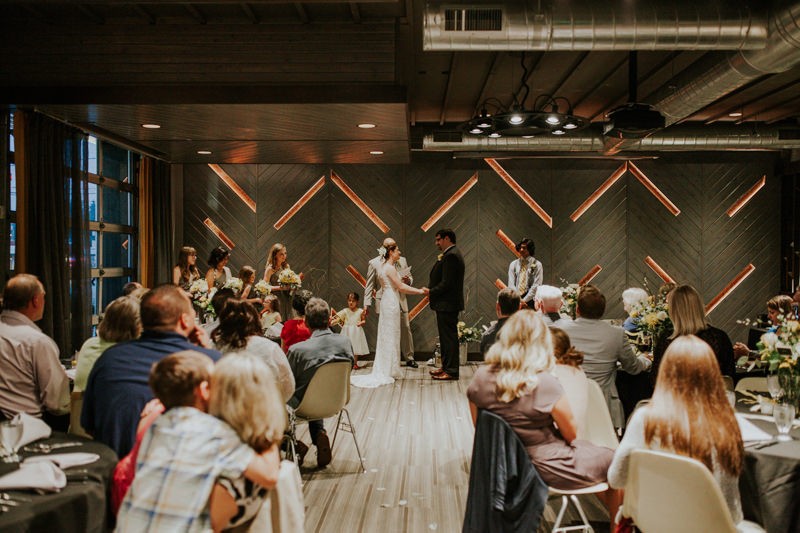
(416, 440)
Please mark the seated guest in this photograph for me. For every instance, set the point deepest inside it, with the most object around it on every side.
(186, 451)
(688, 317)
(550, 303)
(218, 301)
(689, 415)
(117, 389)
(131, 287)
(603, 346)
(324, 346)
(632, 298)
(239, 331)
(517, 385)
(120, 323)
(569, 374)
(779, 309)
(295, 329)
(32, 379)
(507, 304)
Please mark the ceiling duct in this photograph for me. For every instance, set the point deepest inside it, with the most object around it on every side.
(688, 137)
(592, 25)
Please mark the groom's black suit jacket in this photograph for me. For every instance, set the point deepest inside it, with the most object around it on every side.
(447, 282)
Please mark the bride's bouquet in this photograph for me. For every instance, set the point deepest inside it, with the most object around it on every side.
(235, 284)
(288, 278)
(262, 289)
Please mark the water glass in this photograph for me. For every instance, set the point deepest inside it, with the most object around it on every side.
(783, 413)
(774, 387)
(10, 437)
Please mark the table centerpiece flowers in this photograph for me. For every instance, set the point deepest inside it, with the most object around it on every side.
(779, 351)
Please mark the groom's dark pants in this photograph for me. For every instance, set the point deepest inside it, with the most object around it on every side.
(447, 323)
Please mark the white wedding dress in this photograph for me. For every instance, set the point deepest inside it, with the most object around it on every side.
(387, 350)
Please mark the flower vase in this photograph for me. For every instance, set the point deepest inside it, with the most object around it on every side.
(462, 353)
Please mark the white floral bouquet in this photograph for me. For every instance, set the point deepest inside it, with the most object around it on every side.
(234, 284)
(198, 289)
(468, 333)
(262, 289)
(287, 277)
(204, 303)
(779, 352)
(652, 318)
(569, 293)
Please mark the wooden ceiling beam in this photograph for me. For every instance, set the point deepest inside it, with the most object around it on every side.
(741, 106)
(196, 13)
(94, 17)
(145, 14)
(302, 13)
(248, 10)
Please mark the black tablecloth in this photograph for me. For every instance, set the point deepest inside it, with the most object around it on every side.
(80, 507)
(770, 482)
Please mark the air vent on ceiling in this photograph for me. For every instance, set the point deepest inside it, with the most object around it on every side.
(473, 19)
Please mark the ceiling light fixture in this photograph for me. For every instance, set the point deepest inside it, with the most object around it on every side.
(551, 115)
(151, 126)
(367, 126)
(376, 152)
(735, 114)
(204, 152)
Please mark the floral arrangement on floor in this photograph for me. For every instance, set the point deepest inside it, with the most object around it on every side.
(234, 284)
(779, 352)
(288, 278)
(468, 333)
(652, 318)
(569, 292)
(262, 289)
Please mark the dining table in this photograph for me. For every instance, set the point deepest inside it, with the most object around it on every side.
(82, 506)
(769, 485)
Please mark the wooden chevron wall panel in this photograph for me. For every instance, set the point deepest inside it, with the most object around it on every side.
(702, 245)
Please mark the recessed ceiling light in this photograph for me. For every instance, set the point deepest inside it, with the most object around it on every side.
(151, 126)
(367, 126)
(204, 152)
(735, 114)
(376, 152)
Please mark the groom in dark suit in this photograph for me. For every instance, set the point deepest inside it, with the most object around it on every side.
(446, 295)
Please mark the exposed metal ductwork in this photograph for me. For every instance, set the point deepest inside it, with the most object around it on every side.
(592, 25)
(688, 137)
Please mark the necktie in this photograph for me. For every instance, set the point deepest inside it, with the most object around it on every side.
(523, 277)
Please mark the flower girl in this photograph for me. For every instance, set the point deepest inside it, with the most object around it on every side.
(352, 319)
(248, 276)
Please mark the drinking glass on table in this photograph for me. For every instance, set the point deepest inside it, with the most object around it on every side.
(774, 387)
(783, 413)
(10, 437)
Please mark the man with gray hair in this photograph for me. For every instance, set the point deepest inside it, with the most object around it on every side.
(508, 302)
(305, 358)
(550, 302)
(374, 291)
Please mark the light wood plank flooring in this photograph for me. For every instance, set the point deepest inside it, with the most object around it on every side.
(416, 439)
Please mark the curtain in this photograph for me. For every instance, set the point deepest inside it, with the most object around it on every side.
(155, 222)
(53, 216)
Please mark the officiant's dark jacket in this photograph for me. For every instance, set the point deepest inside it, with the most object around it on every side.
(447, 282)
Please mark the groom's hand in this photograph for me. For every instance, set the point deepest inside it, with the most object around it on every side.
(426, 291)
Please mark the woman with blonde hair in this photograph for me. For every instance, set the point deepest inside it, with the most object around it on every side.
(186, 272)
(244, 393)
(689, 415)
(688, 315)
(516, 383)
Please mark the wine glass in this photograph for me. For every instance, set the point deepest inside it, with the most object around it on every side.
(783, 413)
(774, 387)
(10, 437)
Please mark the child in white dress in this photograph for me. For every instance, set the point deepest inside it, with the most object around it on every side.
(352, 322)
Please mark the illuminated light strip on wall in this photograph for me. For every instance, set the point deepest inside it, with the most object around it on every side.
(237, 190)
(470, 183)
(359, 202)
(418, 308)
(746, 197)
(660, 272)
(300, 203)
(730, 287)
(599, 192)
(590, 275)
(517, 188)
(508, 242)
(655, 191)
(356, 275)
(499, 284)
(219, 233)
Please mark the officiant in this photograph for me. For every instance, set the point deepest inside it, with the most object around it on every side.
(525, 274)
(373, 292)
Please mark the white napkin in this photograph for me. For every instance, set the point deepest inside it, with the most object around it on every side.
(65, 460)
(40, 475)
(751, 432)
(33, 429)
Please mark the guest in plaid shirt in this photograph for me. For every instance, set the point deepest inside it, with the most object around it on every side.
(185, 451)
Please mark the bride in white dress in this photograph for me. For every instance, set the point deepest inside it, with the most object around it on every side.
(387, 350)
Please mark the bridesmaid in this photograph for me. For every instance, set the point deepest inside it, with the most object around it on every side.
(219, 273)
(186, 272)
(276, 261)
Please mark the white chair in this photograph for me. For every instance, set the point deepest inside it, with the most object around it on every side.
(599, 430)
(758, 384)
(667, 493)
(327, 395)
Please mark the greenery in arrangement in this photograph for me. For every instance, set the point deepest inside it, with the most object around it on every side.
(288, 278)
(652, 319)
(779, 352)
(569, 293)
(468, 333)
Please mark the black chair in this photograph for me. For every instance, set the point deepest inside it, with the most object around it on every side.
(506, 493)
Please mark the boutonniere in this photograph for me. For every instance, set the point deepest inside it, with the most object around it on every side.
(439, 257)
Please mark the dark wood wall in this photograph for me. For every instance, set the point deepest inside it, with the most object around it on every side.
(702, 245)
